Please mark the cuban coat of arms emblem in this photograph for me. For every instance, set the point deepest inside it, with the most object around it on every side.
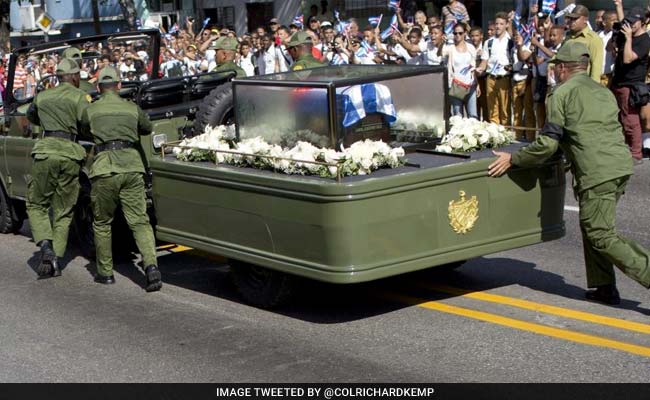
(463, 213)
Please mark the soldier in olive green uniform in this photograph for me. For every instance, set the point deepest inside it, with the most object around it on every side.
(299, 47)
(57, 160)
(582, 120)
(117, 176)
(74, 54)
(225, 57)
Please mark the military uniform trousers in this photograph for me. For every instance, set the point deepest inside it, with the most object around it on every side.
(54, 184)
(127, 190)
(603, 246)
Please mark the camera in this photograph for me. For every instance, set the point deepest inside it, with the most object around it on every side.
(617, 35)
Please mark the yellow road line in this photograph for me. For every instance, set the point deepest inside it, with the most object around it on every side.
(527, 326)
(178, 248)
(543, 308)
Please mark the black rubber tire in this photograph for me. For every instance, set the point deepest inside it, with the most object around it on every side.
(216, 109)
(8, 221)
(123, 242)
(82, 225)
(261, 287)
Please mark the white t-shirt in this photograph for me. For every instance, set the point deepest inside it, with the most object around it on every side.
(246, 63)
(462, 64)
(284, 58)
(608, 64)
(266, 60)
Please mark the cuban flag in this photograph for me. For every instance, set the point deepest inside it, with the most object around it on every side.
(337, 59)
(359, 100)
(549, 6)
(392, 27)
(449, 29)
(367, 47)
(337, 15)
(362, 52)
(343, 27)
(298, 20)
(174, 29)
(206, 22)
(375, 21)
(393, 5)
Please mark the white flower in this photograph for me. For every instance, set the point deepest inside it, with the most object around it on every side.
(456, 142)
(445, 148)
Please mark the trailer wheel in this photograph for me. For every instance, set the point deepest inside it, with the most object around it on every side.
(216, 109)
(259, 286)
(9, 222)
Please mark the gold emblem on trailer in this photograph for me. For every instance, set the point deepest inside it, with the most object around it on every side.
(463, 213)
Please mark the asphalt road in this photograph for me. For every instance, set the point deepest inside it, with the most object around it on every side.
(516, 316)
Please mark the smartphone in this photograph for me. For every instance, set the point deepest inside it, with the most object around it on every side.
(410, 20)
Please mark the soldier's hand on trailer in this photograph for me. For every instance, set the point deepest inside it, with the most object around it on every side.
(501, 165)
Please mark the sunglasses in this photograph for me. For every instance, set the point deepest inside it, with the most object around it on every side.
(459, 33)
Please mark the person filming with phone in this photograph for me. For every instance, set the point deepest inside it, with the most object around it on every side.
(631, 45)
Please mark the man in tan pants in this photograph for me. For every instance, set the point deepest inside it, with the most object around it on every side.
(496, 59)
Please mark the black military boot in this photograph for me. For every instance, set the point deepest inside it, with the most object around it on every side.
(607, 294)
(44, 268)
(154, 278)
(106, 280)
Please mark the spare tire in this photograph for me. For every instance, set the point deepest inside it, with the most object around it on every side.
(216, 109)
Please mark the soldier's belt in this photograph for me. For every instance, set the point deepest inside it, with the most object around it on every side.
(60, 134)
(113, 145)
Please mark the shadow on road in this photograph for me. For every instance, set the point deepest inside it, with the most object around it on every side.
(324, 303)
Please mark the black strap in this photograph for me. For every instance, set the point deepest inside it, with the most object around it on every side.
(113, 145)
(60, 134)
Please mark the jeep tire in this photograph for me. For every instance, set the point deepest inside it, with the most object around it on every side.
(216, 109)
(260, 286)
(9, 221)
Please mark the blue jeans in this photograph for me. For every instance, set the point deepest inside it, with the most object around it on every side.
(469, 103)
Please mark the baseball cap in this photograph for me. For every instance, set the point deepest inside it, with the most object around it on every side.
(72, 52)
(274, 21)
(635, 14)
(108, 75)
(570, 52)
(226, 43)
(579, 11)
(325, 24)
(67, 66)
(299, 38)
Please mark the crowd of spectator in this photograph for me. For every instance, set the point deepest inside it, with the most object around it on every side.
(500, 73)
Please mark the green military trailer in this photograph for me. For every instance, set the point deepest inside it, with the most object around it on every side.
(433, 210)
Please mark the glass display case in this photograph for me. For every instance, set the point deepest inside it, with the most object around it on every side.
(335, 105)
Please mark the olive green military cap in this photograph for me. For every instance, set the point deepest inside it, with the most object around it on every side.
(72, 52)
(299, 38)
(226, 43)
(109, 75)
(571, 51)
(67, 66)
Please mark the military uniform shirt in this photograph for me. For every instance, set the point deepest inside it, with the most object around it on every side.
(582, 119)
(595, 45)
(113, 118)
(58, 109)
(306, 61)
(230, 65)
